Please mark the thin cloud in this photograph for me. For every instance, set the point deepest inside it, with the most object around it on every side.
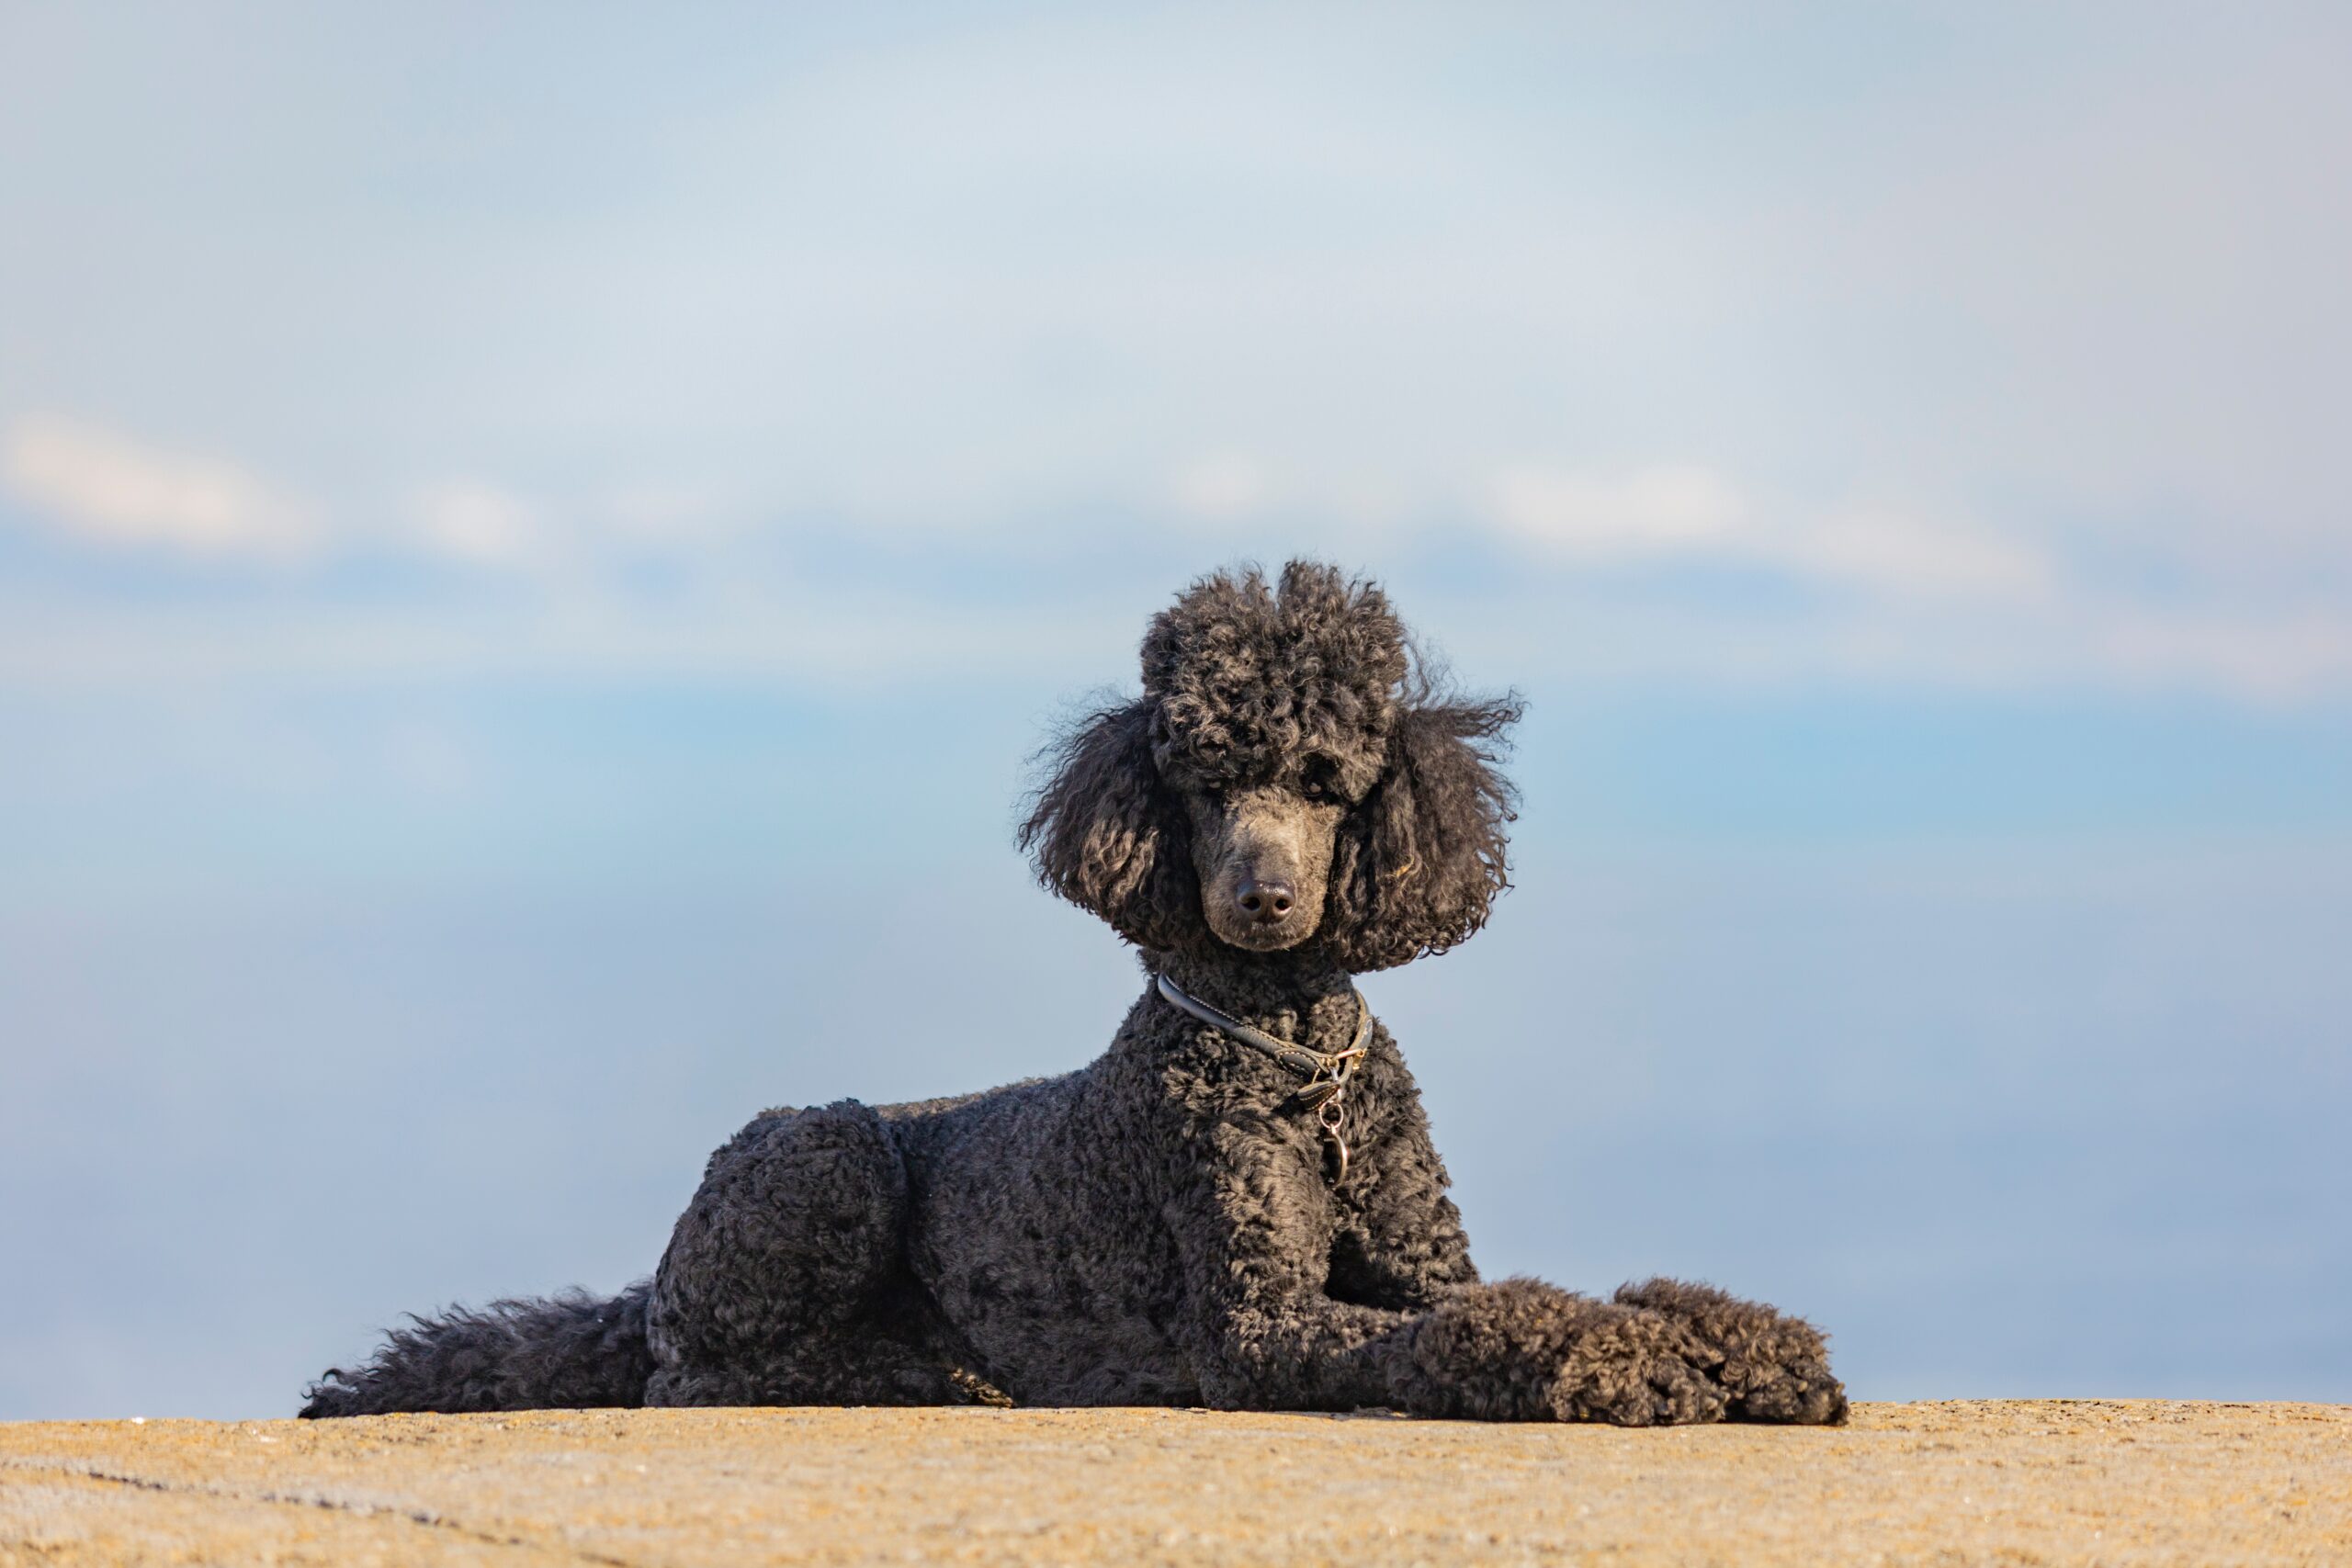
(1691, 514)
(1902, 553)
(1652, 512)
(100, 485)
(1223, 487)
(480, 524)
(1917, 594)
(2278, 660)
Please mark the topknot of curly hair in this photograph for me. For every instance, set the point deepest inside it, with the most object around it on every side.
(1248, 678)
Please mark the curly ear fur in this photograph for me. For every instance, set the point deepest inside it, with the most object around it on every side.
(1105, 834)
(1421, 858)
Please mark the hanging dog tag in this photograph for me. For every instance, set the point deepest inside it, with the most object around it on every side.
(1331, 1116)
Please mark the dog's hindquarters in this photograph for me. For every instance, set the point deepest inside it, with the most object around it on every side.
(786, 1283)
(572, 1351)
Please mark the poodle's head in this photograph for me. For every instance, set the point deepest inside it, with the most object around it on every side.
(1290, 781)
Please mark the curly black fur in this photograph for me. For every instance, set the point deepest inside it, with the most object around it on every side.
(572, 1352)
(1293, 799)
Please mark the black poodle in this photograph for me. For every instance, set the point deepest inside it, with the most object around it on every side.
(1238, 1204)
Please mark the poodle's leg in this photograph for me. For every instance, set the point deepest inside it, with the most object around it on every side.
(852, 1366)
(1517, 1350)
(1522, 1351)
(1407, 1250)
(1268, 1334)
(1775, 1368)
(1401, 1242)
(783, 1283)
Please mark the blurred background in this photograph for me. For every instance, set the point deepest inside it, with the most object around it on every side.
(536, 543)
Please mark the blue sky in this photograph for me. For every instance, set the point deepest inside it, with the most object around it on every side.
(534, 545)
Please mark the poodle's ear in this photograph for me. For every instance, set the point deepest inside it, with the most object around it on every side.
(1107, 835)
(1420, 858)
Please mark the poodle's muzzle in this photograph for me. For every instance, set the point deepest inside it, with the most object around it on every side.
(1264, 856)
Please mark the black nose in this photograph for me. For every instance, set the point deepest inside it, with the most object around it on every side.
(1264, 902)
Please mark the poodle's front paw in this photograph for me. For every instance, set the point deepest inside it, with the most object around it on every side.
(1637, 1370)
(1771, 1367)
(1524, 1350)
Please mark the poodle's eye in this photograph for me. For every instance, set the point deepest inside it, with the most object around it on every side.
(1320, 785)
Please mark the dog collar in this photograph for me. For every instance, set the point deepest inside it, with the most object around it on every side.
(1327, 1072)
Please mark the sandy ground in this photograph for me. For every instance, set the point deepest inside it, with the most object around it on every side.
(2009, 1482)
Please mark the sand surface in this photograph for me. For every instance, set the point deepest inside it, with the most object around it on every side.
(2009, 1482)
